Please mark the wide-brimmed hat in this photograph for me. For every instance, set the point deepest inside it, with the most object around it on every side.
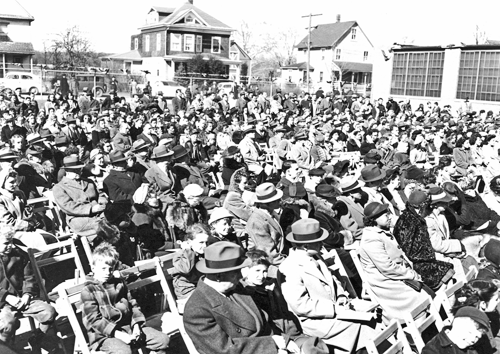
(300, 136)
(317, 172)
(219, 213)
(230, 151)
(61, 140)
(72, 162)
(34, 138)
(307, 231)
(413, 172)
(222, 257)
(418, 197)
(349, 183)
(139, 145)
(179, 151)
(117, 156)
(375, 210)
(326, 191)
(33, 151)
(371, 173)
(279, 128)
(438, 194)
(267, 193)
(249, 130)
(161, 152)
(294, 190)
(7, 155)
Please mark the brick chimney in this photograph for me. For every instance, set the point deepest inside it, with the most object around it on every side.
(338, 18)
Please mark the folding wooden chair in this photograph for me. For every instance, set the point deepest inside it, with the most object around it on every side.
(444, 301)
(367, 292)
(339, 271)
(471, 274)
(399, 342)
(420, 319)
(59, 216)
(165, 268)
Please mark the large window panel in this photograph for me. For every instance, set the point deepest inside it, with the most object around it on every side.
(478, 76)
(417, 74)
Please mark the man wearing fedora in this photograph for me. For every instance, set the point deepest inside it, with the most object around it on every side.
(251, 152)
(373, 178)
(73, 132)
(78, 198)
(160, 175)
(122, 140)
(315, 295)
(263, 228)
(220, 317)
(121, 184)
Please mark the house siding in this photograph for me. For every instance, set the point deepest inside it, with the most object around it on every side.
(206, 44)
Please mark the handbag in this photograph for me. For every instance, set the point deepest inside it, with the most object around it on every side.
(414, 284)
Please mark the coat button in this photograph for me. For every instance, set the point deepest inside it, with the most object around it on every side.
(238, 330)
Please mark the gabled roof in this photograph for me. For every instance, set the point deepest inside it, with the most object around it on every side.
(244, 55)
(184, 10)
(298, 66)
(131, 55)
(327, 35)
(16, 48)
(13, 10)
(492, 42)
(163, 10)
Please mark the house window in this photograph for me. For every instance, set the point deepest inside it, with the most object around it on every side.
(136, 43)
(189, 19)
(320, 76)
(175, 42)
(478, 76)
(189, 43)
(146, 43)
(158, 41)
(215, 44)
(365, 56)
(337, 54)
(199, 47)
(353, 33)
(417, 74)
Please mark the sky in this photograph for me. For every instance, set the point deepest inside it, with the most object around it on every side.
(108, 24)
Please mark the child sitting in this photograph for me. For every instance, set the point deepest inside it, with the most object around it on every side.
(220, 227)
(111, 316)
(468, 326)
(18, 291)
(185, 274)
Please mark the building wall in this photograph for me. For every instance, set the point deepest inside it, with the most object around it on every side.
(206, 44)
(382, 76)
(154, 50)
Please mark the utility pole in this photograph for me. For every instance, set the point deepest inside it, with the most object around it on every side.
(309, 45)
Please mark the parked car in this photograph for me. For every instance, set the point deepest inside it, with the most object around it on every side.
(167, 88)
(87, 80)
(28, 82)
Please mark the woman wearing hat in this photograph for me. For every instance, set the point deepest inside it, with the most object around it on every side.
(412, 235)
(220, 317)
(263, 228)
(160, 174)
(314, 294)
(96, 169)
(386, 265)
(220, 227)
(373, 178)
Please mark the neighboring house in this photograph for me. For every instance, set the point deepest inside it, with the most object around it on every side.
(14, 56)
(172, 36)
(446, 74)
(340, 51)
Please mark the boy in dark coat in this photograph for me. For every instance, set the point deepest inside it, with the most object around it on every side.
(111, 316)
(18, 291)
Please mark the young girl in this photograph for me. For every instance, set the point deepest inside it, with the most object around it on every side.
(220, 227)
(186, 276)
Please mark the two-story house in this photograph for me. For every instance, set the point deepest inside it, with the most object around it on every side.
(172, 36)
(339, 51)
(14, 55)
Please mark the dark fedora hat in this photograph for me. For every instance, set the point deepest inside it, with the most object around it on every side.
(179, 151)
(438, 194)
(72, 162)
(222, 257)
(139, 145)
(326, 191)
(117, 156)
(160, 152)
(418, 197)
(230, 151)
(307, 231)
(374, 210)
(372, 173)
(413, 172)
(249, 129)
(61, 140)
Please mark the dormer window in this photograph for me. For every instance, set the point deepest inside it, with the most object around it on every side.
(189, 19)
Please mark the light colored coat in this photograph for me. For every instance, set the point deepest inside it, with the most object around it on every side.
(265, 233)
(439, 234)
(311, 293)
(374, 196)
(386, 266)
(301, 154)
(249, 151)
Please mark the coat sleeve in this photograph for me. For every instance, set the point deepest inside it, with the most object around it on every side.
(69, 205)
(377, 254)
(260, 237)
(209, 337)
(299, 300)
(29, 283)
(237, 206)
(440, 245)
(8, 218)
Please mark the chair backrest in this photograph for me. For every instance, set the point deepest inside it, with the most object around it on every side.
(471, 274)
(399, 342)
(339, 271)
(444, 301)
(70, 300)
(165, 267)
(59, 218)
(367, 292)
(52, 254)
(419, 319)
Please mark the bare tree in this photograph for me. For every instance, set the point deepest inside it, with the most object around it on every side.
(480, 36)
(72, 49)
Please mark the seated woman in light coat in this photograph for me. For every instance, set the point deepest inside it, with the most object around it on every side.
(386, 266)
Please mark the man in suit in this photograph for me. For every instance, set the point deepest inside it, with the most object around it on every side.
(315, 295)
(219, 316)
(251, 151)
(122, 140)
(177, 102)
(10, 129)
(73, 132)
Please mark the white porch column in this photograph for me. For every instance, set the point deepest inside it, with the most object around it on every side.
(3, 61)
